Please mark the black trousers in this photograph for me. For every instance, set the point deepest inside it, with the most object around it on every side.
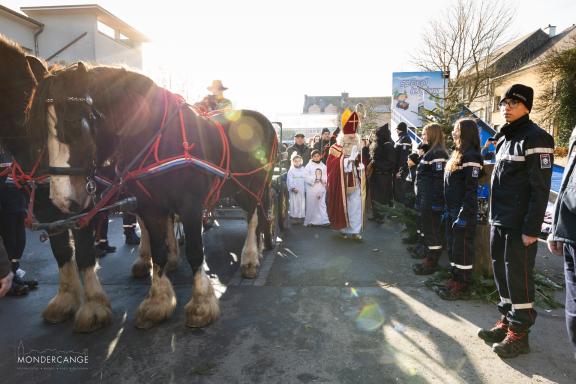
(101, 227)
(128, 222)
(460, 247)
(570, 274)
(381, 189)
(13, 232)
(513, 265)
(431, 222)
(399, 188)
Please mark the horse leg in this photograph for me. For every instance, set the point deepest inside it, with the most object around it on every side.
(95, 312)
(250, 258)
(172, 244)
(143, 264)
(203, 308)
(69, 296)
(161, 300)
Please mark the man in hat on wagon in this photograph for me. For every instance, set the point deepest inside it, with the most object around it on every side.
(216, 101)
(346, 180)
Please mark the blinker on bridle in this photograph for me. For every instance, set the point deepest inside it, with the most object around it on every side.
(94, 114)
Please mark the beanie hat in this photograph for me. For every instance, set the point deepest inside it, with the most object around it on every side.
(414, 157)
(520, 92)
(402, 126)
(424, 147)
(314, 152)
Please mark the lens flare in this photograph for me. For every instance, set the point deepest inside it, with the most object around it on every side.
(370, 317)
(232, 115)
(354, 292)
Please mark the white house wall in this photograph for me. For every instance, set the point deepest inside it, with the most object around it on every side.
(112, 52)
(18, 32)
(60, 30)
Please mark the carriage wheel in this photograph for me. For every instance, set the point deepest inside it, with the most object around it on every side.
(271, 236)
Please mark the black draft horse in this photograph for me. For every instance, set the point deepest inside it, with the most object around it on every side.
(74, 250)
(100, 115)
(18, 79)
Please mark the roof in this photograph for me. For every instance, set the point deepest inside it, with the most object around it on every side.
(381, 104)
(561, 42)
(102, 14)
(20, 17)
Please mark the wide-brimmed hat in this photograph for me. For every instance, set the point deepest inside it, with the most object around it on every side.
(216, 86)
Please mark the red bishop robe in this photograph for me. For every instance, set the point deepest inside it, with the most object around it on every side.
(338, 182)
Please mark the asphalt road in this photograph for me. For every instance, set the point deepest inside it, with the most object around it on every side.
(322, 310)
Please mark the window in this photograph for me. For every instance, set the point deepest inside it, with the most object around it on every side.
(496, 103)
(106, 30)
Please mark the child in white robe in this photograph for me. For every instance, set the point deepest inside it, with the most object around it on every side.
(316, 178)
(297, 188)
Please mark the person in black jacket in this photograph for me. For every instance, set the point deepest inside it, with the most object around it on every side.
(383, 167)
(430, 194)
(520, 188)
(402, 148)
(562, 239)
(300, 148)
(323, 145)
(461, 195)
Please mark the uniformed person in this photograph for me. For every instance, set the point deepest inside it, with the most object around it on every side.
(520, 188)
(461, 195)
(562, 239)
(402, 148)
(430, 191)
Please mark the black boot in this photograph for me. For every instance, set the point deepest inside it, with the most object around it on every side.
(513, 345)
(17, 289)
(454, 290)
(496, 334)
(104, 246)
(131, 237)
(31, 284)
(427, 267)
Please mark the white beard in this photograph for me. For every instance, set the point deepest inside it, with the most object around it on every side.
(348, 142)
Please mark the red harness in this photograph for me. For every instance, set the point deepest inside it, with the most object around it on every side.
(222, 169)
(26, 181)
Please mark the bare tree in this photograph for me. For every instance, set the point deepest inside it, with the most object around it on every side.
(464, 42)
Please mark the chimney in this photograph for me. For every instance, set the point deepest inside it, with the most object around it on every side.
(551, 30)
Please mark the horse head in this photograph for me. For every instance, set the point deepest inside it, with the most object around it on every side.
(19, 77)
(85, 116)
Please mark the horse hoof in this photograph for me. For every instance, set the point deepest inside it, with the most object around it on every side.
(141, 269)
(202, 315)
(158, 306)
(150, 314)
(250, 271)
(61, 308)
(93, 315)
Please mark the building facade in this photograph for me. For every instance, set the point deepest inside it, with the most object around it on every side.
(70, 33)
(519, 62)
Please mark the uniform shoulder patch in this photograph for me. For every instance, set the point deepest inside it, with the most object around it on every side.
(545, 161)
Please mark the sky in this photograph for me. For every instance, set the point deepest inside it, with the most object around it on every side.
(271, 53)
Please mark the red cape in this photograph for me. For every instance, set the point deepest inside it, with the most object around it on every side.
(336, 189)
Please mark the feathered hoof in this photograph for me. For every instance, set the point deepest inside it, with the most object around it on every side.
(62, 307)
(199, 315)
(141, 268)
(93, 315)
(158, 306)
(250, 271)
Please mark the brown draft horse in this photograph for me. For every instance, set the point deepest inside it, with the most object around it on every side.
(100, 115)
(74, 250)
(18, 80)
